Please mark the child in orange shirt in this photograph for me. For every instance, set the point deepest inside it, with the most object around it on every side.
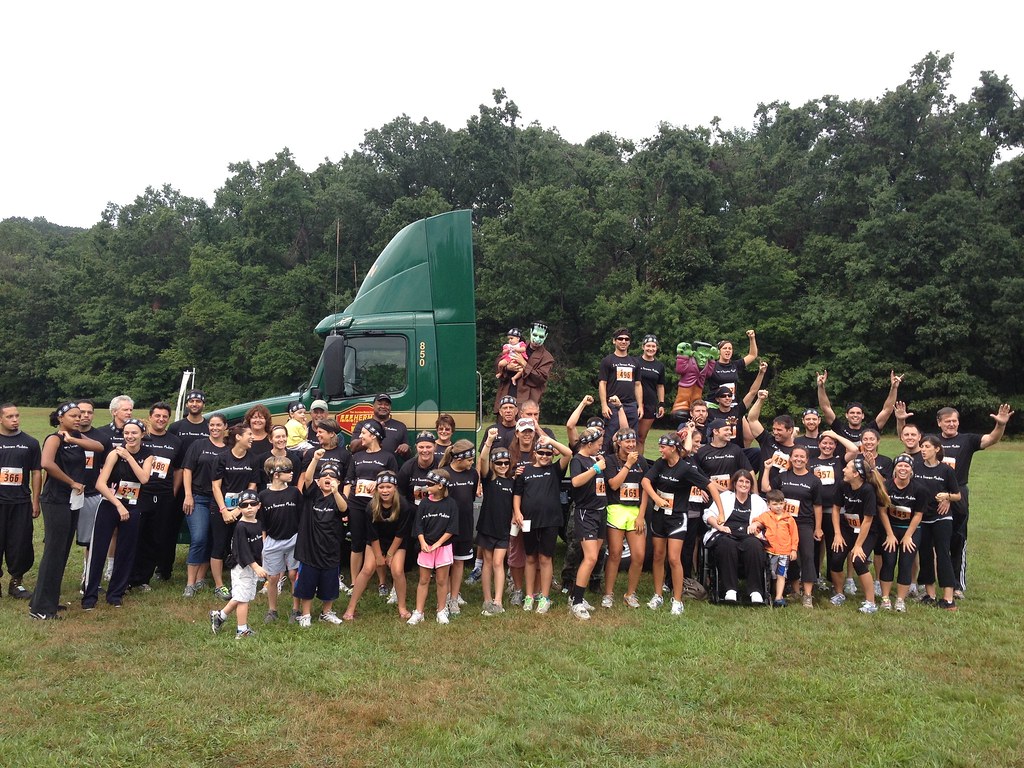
(780, 531)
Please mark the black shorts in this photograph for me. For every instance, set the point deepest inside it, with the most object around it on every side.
(491, 543)
(462, 550)
(316, 582)
(590, 524)
(540, 541)
(362, 531)
(668, 526)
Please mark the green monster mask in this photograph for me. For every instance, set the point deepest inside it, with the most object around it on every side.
(684, 349)
(704, 353)
(538, 334)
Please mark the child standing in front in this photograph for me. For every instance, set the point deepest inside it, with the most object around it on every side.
(437, 521)
(781, 533)
(318, 544)
(247, 547)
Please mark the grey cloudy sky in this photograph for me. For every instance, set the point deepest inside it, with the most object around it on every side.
(105, 99)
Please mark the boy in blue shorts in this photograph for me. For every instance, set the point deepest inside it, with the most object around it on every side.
(318, 543)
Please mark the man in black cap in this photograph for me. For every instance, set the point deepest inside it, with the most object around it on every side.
(194, 426)
(396, 434)
(852, 426)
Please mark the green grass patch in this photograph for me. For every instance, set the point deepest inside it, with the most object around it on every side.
(149, 685)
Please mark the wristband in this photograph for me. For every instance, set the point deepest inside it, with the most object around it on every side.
(223, 509)
(596, 469)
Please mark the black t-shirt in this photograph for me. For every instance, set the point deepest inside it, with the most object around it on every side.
(619, 375)
(725, 375)
(830, 473)
(506, 436)
(802, 492)
(934, 480)
(810, 444)
(841, 427)
(110, 436)
(400, 527)
(439, 451)
(462, 490)
(734, 419)
(167, 454)
(412, 480)
(279, 512)
(247, 543)
(261, 448)
(652, 373)
(362, 473)
(189, 432)
(904, 502)
(236, 474)
(20, 456)
(628, 494)
(856, 505)
(592, 494)
(774, 454)
(958, 452)
(298, 467)
(675, 483)
(496, 508)
(719, 464)
(320, 534)
(884, 466)
(124, 482)
(202, 459)
(94, 459)
(436, 518)
(540, 489)
(395, 433)
(71, 459)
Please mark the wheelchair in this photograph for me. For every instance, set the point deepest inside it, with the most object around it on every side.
(708, 568)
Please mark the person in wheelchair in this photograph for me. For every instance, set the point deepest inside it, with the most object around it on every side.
(729, 539)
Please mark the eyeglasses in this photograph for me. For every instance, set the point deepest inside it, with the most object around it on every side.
(245, 504)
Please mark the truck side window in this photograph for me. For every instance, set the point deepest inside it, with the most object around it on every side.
(375, 364)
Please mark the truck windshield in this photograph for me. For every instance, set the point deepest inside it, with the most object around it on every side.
(375, 364)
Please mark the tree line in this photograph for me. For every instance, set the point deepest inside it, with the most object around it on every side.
(859, 236)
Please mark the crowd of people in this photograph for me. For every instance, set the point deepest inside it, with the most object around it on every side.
(784, 510)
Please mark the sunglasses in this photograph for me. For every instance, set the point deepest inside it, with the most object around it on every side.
(622, 338)
(501, 463)
(245, 504)
(544, 453)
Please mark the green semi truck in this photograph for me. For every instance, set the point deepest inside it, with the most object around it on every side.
(409, 332)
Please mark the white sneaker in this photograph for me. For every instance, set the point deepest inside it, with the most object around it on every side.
(850, 587)
(901, 605)
(517, 597)
(543, 604)
(677, 607)
(345, 588)
(393, 597)
(867, 607)
(588, 606)
(580, 612)
(416, 618)
(756, 598)
(306, 621)
(442, 616)
(730, 596)
(452, 607)
(838, 598)
(631, 601)
(912, 591)
(655, 602)
(330, 618)
(608, 601)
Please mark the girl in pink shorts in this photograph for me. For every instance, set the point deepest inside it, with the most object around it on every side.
(437, 520)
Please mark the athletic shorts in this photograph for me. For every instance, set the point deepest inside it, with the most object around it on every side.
(279, 555)
(622, 517)
(540, 541)
(317, 582)
(491, 543)
(462, 550)
(516, 552)
(668, 526)
(243, 584)
(361, 530)
(438, 558)
(774, 560)
(589, 524)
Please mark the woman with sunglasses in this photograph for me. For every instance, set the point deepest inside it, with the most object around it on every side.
(493, 526)
(619, 376)
(625, 472)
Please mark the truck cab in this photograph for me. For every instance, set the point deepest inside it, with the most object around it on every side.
(410, 332)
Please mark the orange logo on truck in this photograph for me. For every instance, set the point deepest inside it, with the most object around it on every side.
(351, 416)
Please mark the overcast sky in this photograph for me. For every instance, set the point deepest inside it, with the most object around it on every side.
(102, 100)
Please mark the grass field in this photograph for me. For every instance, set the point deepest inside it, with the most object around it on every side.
(149, 685)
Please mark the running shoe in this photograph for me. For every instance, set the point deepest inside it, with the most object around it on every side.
(330, 617)
(474, 576)
(242, 634)
(655, 602)
(850, 587)
(544, 604)
(580, 612)
(946, 605)
(517, 597)
(867, 607)
(442, 616)
(528, 603)
(886, 604)
(415, 619)
(807, 601)
(677, 607)
(631, 601)
(270, 617)
(393, 597)
(608, 601)
(305, 621)
(383, 591)
(216, 621)
(222, 592)
(838, 598)
(901, 605)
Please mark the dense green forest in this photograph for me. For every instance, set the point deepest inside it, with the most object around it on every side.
(860, 236)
